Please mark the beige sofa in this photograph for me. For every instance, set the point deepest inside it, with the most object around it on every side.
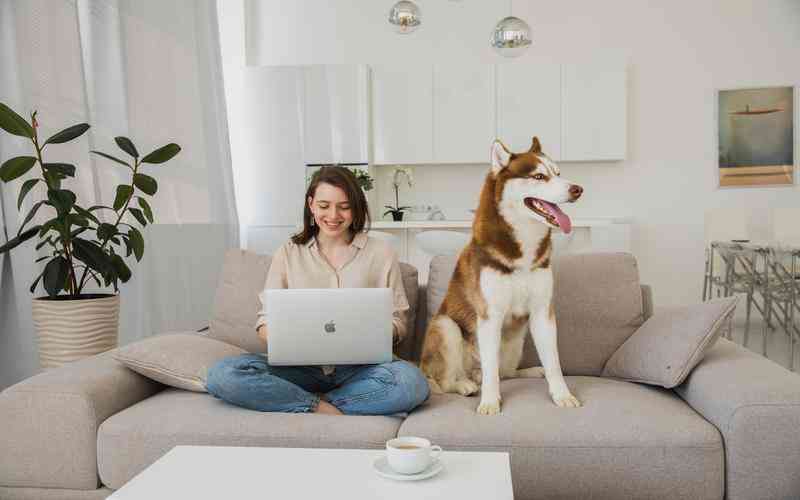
(731, 430)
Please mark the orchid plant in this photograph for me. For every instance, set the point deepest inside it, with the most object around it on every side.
(397, 210)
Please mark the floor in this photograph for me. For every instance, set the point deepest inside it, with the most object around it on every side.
(778, 344)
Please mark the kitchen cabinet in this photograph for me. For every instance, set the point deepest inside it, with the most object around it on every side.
(463, 112)
(335, 114)
(529, 104)
(402, 104)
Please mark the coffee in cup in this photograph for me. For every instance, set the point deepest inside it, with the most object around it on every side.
(411, 455)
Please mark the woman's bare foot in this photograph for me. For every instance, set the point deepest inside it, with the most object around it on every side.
(327, 408)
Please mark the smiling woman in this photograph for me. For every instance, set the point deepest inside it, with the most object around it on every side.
(331, 251)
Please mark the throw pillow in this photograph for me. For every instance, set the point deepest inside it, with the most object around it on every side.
(176, 359)
(667, 347)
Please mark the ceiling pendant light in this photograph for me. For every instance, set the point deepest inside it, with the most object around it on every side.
(405, 16)
(511, 36)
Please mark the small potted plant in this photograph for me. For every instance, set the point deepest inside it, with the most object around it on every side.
(365, 181)
(82, 246)
(397, 210)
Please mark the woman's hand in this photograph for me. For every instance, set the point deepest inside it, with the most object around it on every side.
(262, 333)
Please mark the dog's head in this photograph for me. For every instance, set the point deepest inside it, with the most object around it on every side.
(531, 185)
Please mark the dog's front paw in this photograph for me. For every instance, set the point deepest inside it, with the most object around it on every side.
(566, 400)
(466, 387)
(489, 407)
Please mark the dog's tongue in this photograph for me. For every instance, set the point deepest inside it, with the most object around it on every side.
(563, 219)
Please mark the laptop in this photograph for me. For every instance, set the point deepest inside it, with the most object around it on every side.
(329, 326)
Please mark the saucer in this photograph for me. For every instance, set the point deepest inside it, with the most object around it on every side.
(382, 467)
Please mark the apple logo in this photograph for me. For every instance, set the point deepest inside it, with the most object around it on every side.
(330, 327)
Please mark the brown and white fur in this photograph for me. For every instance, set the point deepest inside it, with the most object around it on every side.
(502, 286)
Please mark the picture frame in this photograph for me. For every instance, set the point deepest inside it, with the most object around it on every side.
(756, 136)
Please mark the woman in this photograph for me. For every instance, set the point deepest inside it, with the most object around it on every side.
(332, 251)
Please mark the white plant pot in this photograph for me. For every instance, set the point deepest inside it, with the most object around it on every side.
(72, 329)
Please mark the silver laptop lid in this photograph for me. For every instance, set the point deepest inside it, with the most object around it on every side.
(329, 326)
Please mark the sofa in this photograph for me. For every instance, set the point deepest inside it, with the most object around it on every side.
(730, 430)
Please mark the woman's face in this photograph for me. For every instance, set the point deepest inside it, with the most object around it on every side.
(331, 210)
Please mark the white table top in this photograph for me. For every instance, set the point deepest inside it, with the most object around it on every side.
(214, 472)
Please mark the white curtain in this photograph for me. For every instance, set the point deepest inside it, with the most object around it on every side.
(146, 69)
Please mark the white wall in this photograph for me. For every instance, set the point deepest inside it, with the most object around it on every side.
(678, 54)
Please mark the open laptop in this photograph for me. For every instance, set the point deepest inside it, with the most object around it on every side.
(329, 326)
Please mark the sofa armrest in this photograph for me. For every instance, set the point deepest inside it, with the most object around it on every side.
(49, 421)
(755, 405)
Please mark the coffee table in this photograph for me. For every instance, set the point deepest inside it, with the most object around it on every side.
(214, 472)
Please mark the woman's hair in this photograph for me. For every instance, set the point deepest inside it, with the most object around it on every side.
(344, 179)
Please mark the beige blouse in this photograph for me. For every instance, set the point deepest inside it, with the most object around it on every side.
(372, 263)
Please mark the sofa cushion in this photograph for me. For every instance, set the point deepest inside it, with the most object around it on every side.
(670, 344)
(233, 316)
(136, 437)
(598, 303)
(626, 441)
(177, 359)
(236, 303)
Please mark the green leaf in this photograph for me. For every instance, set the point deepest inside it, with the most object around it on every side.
(53, 179)
(112, 158)
(106, 231)
(122, 269)
(96, 207)
(44, 242)
(30, 215)
(12, 123)
(55, 274)
(18, 240)
(137, 243)
(16, 167)
(126, 145)
(78, 220)
(26, 187)
(139, 216)
(162, 154)
(91, 254)
(47, 226)
(67, 134)
(145, 183)
(124, 192)
(148, 212)
(86, 213)
(78, 231)
(61, 199)
(36, 282)
(64, 169)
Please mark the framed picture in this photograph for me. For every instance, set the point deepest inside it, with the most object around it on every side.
(756, 137)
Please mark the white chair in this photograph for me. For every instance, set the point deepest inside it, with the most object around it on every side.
(393, 240)
(725, 224)
(442, 242)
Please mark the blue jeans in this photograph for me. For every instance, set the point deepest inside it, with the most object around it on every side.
(249, 381)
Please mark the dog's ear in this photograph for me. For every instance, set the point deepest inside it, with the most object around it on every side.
(500, 156)
(536, 147)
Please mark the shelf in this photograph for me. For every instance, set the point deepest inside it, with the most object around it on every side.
(454, 224)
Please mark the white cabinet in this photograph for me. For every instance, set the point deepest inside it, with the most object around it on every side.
(463, 112)
(402, 103)
(594, 112)
(529, 104)
(336, 114)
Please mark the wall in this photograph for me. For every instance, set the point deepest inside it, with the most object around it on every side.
(679, 53)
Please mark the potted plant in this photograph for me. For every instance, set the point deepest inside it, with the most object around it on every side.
(82, 247)
(397, 210)
(365, 181)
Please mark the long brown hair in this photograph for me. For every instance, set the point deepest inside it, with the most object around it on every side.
(344, 179)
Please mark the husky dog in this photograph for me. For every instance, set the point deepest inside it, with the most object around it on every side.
(502, 286)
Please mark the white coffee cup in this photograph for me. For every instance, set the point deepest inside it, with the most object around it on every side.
(411, 455)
